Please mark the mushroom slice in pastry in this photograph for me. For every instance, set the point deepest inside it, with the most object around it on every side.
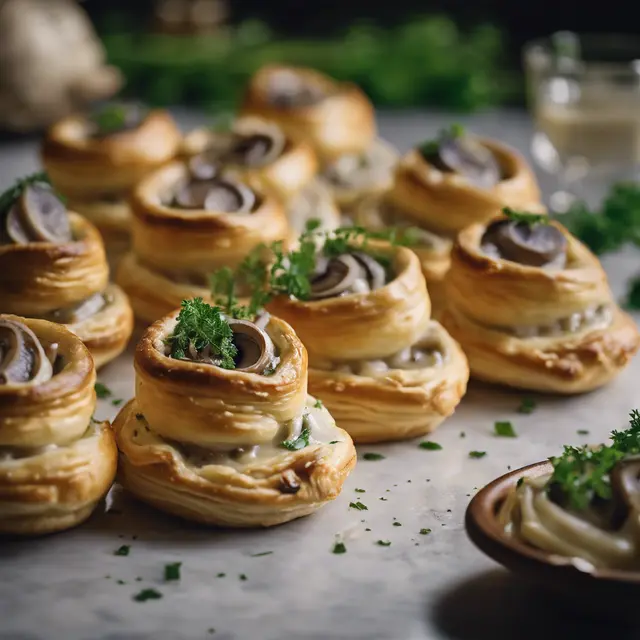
(222, 430)
(55, 461)
(335, 118)
(96, 159)
(384, 369)
(458, 179)
(532, 308)
(253, 147)
(53, 266)
(186, 227)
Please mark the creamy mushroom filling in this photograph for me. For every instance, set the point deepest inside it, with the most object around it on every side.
(37, 215)
(217, 194)
(350, 273)
(314, 202)
(115, 118)
(593, 317)
(419, 356)
(359, 171)
(287, 89)
(534, 245)
(464, 155)
(23, 358)
(80, 311)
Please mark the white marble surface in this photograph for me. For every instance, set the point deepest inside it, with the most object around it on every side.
(435, 586)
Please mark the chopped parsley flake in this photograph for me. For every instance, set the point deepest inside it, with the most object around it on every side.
(147, 594)
(243, 577)
(526, 218)
(335, 441)
(172, 571)
(358, 505)
(116, 402)
(263, 553)
(339, 547)
(372, 456)
(583, 432)
(102, 391)
(384, 543)
(123, 550)
(430, 446)
(359, 490)
(477, 454)
(463, 434)
(505, 429)
(527, 406)
(425, 532)
(221, 575)
(300, 442)
(318, 404)
(397, 524)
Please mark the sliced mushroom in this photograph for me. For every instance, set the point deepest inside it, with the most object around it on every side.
(15, 227)
(625, 484)
(80, 311)
(289, 481)
(416, 357)
(216, 195)
(256, 350)
(532, 245)
(45, 215)
(256, 149)
(22, 358)
(289, 89)
(202, 167)
(334, 276)
(376, 274)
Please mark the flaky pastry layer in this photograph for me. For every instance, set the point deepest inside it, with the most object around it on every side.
(39, 277)
(57, 488)
(400, 403)
(167, 238)
(56, 411)
(343, 122)
(448, 202)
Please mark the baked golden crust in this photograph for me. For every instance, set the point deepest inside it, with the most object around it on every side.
(342, 122)
(508, 318)
(38, 277)
(82, 167)
(447, 203)
(345, 334)
(183, 406)
(286, 175)
(365, 325)
(56, 411)
(171, 239)
(58, 488)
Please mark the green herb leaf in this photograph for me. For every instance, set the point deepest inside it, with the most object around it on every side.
(172, 571)
(384, 543)
(102, 391)
(123, 550)
(504, 429)
(583, 432)
(358, 505)
(110, 118)
(263, 553)
(147, 594)
(243, 577)
(335, 441)
(463, 434)
(117, 402)
(200, 325)
(633, 295)
(221, 575)
(397, 524)
(372, 456)
(318, 404)
(527, 406)
(300, 442)
(425, 532)
(477, 454)
(359, 490)
(339, 547)
(430, 446)
(526, 218)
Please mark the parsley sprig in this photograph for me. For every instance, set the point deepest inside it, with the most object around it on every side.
(200, 325)
(8, 197)
(110, 118)
(432, 147)
(526, 218)
(302, 441)
(583, 474)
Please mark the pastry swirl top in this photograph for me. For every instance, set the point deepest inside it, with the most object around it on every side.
(181, 223)
(334, 117)
(47, 381)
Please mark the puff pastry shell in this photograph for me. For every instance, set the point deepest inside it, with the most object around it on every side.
(55, 462)
(182, 404)
(509, 319)
(341, 122)
(352, 329)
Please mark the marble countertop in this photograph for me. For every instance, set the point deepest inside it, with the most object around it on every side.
(435, 586)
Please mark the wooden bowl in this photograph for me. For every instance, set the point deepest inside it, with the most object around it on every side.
(607, 592)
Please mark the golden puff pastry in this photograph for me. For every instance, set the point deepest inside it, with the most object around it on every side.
(379, 213)
(383, 368)
(352, 177)
(532, 309)
(96, 160)
(243, 447)
(459, 180)
(56, 463)
(185, 228)
(53, 266)
(256, 148)
(336, 118)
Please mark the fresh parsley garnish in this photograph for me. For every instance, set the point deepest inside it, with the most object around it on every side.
(302, 441)
(221, 575)
(477, 454)
(425, 532)
(527, 406)
(583, 432)
(430, 445)
(431, 148)
(172, 571)
(110, 118)
(504, 429)
(102, 391)
(397, 524)
(263, 553)
(9, 197)
(358, 505)
(116, 402)
(339, 547)
(147, 594)
(384, 543)
(525, 218)
(372, 456)
(359, 490)
(318, 404)
(200, 325)
(335, 441)
(122, 550)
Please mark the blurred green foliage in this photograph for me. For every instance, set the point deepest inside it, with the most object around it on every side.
(427, 62)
